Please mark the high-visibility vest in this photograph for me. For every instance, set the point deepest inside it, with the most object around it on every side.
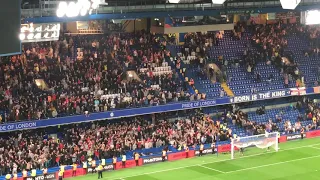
(136, 156)
(62, 168)
(124, 158)
(8, 176)
(90, 161)
(164, 153)
(103, 162)
(33, 173)
(74, 167)
(179, 148)
(93, 163)
(114, 160)
(201, 147)
(45, 171)
(100, 168)
(15, 176)
(187, 149)
(24, 173)
(60, 173)
(85, 166)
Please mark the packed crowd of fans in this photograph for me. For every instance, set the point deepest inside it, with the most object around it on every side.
(117, 71)
(308, 110)
(76, 143)
(88, 74)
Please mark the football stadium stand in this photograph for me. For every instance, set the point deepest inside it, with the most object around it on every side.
(91, 98)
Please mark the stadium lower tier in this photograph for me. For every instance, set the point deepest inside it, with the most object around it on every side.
(208, 167)
(295, 160)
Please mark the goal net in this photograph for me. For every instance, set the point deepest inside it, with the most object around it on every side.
(262, 141)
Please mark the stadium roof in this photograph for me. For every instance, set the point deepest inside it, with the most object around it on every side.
(35, 3)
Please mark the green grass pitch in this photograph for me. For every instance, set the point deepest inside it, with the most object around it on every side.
(296, 160)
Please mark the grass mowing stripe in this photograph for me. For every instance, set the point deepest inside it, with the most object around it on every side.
(273, 164)
(211, 169)
(315, 147)
(253, 155)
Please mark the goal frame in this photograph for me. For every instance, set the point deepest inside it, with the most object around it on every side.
(265, 136)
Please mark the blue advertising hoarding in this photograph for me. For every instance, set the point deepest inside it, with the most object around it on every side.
(157, 109)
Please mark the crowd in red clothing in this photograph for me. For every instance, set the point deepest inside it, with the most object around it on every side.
(76, 143)
(58, 79)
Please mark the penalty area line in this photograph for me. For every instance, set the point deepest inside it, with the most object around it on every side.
(272, 164)
(211, 169)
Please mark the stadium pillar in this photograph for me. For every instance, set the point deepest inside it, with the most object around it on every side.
(64, 27)
(148, 24)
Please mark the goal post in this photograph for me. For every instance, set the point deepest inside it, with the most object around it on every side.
(261, 141)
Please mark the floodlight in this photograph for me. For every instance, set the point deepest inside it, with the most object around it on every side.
(54, 27)
(218, 1)
(37, 36)
(95, 5)
(83, 12)
(55, 34)
(72, 10)
(46, 35)
(31, 28)
(30, 36)
(60, 13)
(38, 29)
(174, 1)
(289, 4)
(24, 28)
(86, 4)
(22, 36)
(62, 9)
(63, 5)
(96, 1)
(312, 17)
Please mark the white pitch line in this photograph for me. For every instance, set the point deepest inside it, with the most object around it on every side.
(223, 160)
(315, 147)
(211, 169)
(272, 164)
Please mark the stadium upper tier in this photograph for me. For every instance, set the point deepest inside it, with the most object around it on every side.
(86, 74)
(259, 59)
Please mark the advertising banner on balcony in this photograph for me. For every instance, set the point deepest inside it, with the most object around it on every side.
(155, 109)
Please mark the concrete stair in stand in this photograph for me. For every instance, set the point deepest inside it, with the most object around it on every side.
(227, 89)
